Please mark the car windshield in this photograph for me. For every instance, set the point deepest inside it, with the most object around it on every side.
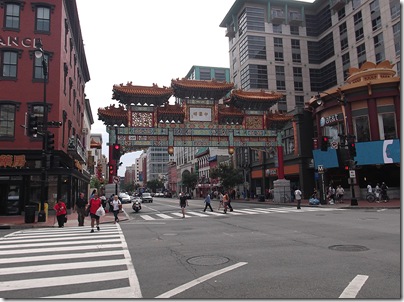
(146, 195)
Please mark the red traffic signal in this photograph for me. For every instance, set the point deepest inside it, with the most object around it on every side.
(111, 170)
(352, 149)
(324, 143)
(116, 151)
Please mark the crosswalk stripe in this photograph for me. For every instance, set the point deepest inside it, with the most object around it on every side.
(180, 215)
(62, 280)
(63, 266)
(116, 293)
(61, 257)
(197, 214)
(90, 247)
(243, 211)
(164, 216)
(69, 237)
(147, 217)
(57, 243)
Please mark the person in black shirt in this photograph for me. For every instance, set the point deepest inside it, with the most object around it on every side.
(80, 207)
(183, 203)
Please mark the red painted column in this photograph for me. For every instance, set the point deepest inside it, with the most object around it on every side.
(111, 162)
(281, 172)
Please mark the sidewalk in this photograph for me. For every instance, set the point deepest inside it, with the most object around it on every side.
(18, 221)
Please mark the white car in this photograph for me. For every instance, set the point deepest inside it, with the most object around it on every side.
(146, 197)
(125, 198)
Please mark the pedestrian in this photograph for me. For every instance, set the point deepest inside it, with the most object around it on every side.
(383, 189)
(229, 203)
(226, 201)
(116, 206)
(298, 197)
(60, 208)
(339, 193)
(94, 204)
(377, 192)
(80, 208)
(220, 201)
(331, 194)
(207, 203)
(183, 203)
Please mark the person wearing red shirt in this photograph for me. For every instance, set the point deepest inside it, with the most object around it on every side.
(60, 209)
(95, 203)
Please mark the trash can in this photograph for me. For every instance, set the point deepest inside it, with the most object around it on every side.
(261, 198)
(30, 213)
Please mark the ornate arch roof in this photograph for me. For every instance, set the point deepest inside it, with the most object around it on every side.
(171, 113)
(211, 89)
(151, 95)
(277, 120)
(253, 100)
(113, 115)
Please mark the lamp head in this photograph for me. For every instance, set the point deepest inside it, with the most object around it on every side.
(319, 101)
(38, 50)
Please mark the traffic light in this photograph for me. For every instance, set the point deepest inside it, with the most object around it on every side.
(50, 141)
(32, 127)
(324, 143)
(116, 151)
(111, 170)
(352, 149)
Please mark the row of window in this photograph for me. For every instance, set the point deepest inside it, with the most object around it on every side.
(12, 17)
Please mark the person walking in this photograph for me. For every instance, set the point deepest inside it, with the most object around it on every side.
(60, 208)
(80, 208)
(183, 203)
(207, 203)
(116, 206)
(94, 204)
(383, 189)
(298, 197)
(220, 201)
(226, 201)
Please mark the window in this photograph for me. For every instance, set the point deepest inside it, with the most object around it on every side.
(344, 43)
(341, 13)
(358, 18)
(356, 4)
(395, 9)
(294, 30)
(277, 28)
(298, 85)
(359, 34)
(376, 23)
(378, 40)
(38, 111)
(295, 44)
(204, 74)
(296, 58)
(397, 39)
(280, 70)
(7, 120)
(361, 128)
(280, 85)
(299, 100)
(38, 68)
(387, 126)
(374, 6)
(252, 47)
(345, 59)
(252, 18)
(297, 72)
(278, 56)
(342, 29)
(42, 19)
(361, 50)
(254, 76)
(220, 75)
(12, 18)
(278, 42)
(9, 64)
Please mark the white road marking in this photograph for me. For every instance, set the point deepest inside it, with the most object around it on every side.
(147, 217)
(116, 293)
(354, 287)
(164, 216)
(180, 215)
(199, 280)
(197, 214)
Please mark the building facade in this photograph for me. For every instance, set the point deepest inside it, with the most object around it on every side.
(26, 90)
(300, 49)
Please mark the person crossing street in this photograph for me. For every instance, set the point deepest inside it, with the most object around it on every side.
(207, 203)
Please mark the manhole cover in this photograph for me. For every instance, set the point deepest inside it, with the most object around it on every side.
(208, 260)
(348, 248)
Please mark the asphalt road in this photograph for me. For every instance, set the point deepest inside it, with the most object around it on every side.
(257, 252)
(292, 254)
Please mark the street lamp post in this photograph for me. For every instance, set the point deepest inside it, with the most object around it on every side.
(39, 53)
(345, 137)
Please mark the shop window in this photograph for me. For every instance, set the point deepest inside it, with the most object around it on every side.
(361, 128)
(387, 126)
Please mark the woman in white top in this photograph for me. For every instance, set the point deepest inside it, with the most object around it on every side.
(116, 205)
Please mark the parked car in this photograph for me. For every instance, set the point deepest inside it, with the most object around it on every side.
(125, 198)
(188, 195)
(146, 197)
(159, 194)
(168, 194)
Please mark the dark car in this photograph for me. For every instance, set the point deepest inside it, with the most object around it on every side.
(146, 197)
(188, 195)
(168, 194)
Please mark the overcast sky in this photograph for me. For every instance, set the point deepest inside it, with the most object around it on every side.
(146, 42)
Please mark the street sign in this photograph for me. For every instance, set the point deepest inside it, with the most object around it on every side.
(352, 174)
(334, 145)
(117, 179)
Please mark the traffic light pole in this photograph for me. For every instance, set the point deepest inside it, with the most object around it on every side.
(44, 176)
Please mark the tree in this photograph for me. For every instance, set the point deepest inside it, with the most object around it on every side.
(155, 184)
(95, 183)
(129, 187)
(228, 175)
(190, 180)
